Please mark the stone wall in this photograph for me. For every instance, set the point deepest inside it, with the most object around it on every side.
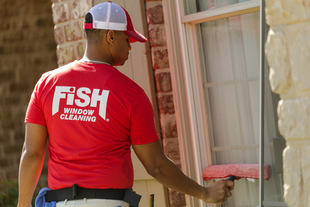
(27, 49)
(288, 54)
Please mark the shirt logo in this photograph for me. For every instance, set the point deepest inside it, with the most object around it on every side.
(82, 97)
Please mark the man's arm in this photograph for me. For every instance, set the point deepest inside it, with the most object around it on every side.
(167, 173)
(31, 163)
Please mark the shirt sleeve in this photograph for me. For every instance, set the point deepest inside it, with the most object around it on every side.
(34, 113)
(143, 129)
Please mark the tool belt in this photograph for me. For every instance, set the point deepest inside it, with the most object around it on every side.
(75, 192)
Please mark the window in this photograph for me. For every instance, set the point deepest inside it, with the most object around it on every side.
(221, 67)
(193, 6)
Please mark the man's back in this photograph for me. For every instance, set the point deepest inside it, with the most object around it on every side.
(93, 114)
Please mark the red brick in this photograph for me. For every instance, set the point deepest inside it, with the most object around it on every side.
(13, 149)
(28, 49)
(4, 163)
(65, 54)
(59, 34)
(4, 26)
(61, 12)
(7, 76)
(85, 6)
(75, 9)
(168, 126)
(157, 36)
(160, 58)
(155, 15)
(12, 175)
(79, 50)
(176, 199)
(19, 87)
(80, 8)
(13, 37)
(73, 31)
(9, 101)
(163, 82)
(166, 104)
(24, 49)
(19, 136)
(171, 148)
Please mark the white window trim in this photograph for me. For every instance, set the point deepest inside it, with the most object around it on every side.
(223, 12)
(182, 95)
(188, 96)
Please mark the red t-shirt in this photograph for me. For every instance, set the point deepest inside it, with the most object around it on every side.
(93, 113)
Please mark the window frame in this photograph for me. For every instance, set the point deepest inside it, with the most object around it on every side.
(191, 113)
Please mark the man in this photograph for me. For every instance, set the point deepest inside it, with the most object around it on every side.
(91, 114)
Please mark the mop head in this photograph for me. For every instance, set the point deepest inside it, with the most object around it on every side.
(237, 170)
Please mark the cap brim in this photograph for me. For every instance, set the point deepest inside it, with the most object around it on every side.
(135, 36)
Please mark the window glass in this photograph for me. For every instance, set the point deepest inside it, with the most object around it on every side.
(231, 51)
(193, 6)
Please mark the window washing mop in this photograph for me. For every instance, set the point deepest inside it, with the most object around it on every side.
(235, 171)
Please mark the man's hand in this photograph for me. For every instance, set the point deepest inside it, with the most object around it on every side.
(218, 192)
(164, 171)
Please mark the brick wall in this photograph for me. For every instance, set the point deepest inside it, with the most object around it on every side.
(160, 60)
(68, 17)
(27, 49)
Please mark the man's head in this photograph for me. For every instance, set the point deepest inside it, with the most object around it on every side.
(109, 32)
(110, 16)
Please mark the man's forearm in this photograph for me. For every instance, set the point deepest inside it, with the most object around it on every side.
(29, 173)
(172, 177)
(168, 174)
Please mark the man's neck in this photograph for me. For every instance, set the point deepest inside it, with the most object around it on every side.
(87, 60)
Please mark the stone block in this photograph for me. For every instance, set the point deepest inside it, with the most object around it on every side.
(163, 82)
(294, 118)
(292, 176)
(300, 59)
(73, 31)
(155, 15)
(278, 60)
(157, 36)
(61, 12)
(166, 104)
(305, 173)
(160, 58)
(287, 11)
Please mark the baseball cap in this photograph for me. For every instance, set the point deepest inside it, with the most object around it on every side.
(111, 16)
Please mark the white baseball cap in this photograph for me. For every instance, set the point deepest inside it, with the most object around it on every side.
(111, 16)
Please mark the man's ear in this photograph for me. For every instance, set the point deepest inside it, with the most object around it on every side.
(110, 37)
